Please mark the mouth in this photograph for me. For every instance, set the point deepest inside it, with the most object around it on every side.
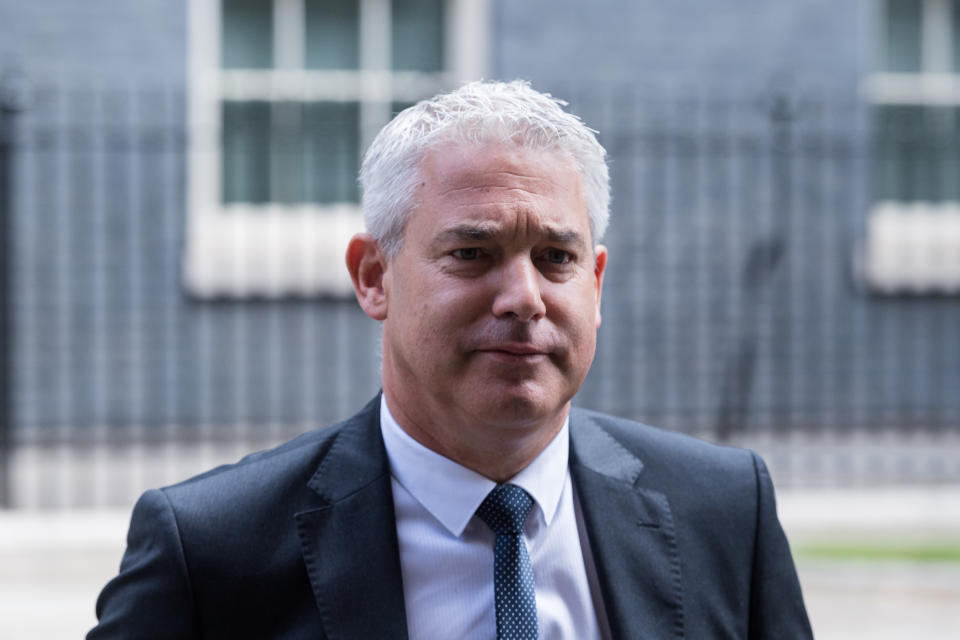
(515, 352)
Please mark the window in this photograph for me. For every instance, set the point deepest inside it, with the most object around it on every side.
(913, 235)
(284, 97)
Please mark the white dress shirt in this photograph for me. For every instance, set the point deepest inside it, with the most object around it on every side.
(446, 552)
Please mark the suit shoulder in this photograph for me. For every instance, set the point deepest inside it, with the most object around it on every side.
(272, 472)
(310, 445)
(660, 447)
(703, 482)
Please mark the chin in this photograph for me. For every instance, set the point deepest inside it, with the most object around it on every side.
(518, 408)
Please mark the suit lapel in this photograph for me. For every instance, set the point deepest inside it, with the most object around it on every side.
(349, 545)
(631, 535)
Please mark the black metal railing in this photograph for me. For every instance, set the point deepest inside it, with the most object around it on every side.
(730, 309)
(8, 110)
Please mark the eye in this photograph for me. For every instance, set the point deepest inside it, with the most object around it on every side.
(557, 256)
(470, 253)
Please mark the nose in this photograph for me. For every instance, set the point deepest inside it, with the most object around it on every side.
(519, 293)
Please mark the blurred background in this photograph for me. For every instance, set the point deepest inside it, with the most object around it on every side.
(178, 181)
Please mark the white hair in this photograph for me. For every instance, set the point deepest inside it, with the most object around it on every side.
(476, 113)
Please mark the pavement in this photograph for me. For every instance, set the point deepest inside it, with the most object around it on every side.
(886, 599)
(52, 566)
(54, 563)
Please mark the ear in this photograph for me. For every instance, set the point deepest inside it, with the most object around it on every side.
(367, 264)
(599, 265)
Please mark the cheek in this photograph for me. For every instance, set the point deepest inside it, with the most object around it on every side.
(576, 310)
(440, 312)
(457, 301)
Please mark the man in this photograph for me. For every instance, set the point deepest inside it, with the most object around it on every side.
(469, 500)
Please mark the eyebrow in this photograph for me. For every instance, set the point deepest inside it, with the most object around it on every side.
(470, 232)
(485, 232)
(565, 236)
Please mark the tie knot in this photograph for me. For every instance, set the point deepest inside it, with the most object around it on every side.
(505, 509)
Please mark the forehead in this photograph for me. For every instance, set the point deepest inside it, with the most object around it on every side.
(490, 180)
(453, 166)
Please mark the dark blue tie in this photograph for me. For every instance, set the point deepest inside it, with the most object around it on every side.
(505, 511)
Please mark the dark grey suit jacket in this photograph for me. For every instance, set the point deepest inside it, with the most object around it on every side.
(300, 542)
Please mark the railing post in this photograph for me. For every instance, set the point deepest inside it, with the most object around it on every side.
(760, 268)
(7, 114)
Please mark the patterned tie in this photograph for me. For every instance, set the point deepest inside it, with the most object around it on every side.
(505, 511)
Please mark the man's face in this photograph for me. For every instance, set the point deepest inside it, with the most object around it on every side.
(493, 301)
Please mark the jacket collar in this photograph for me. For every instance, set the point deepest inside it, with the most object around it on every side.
(631, 533)
(350, 548)
(349, 544)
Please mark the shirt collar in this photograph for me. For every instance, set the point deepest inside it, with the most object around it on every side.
(454, 501)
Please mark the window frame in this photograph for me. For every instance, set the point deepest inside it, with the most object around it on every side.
(908, 244)
(238, 250)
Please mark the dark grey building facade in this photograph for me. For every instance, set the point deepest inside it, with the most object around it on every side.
(743, 146)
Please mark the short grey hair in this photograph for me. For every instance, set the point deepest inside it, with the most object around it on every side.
(476, 113)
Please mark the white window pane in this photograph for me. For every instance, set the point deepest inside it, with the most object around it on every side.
(290, 152)
(332, 34)
(330, 152)
(417, 35)
(916, 154)
(903, 33)
(286, 133)
(246, 152)
(955, 35)
(247, 34)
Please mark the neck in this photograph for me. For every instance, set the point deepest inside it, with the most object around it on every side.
(497, 452)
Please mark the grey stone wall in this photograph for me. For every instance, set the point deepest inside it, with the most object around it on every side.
(685, 44)
(739, 149)
(105, 40)
(107, 346)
